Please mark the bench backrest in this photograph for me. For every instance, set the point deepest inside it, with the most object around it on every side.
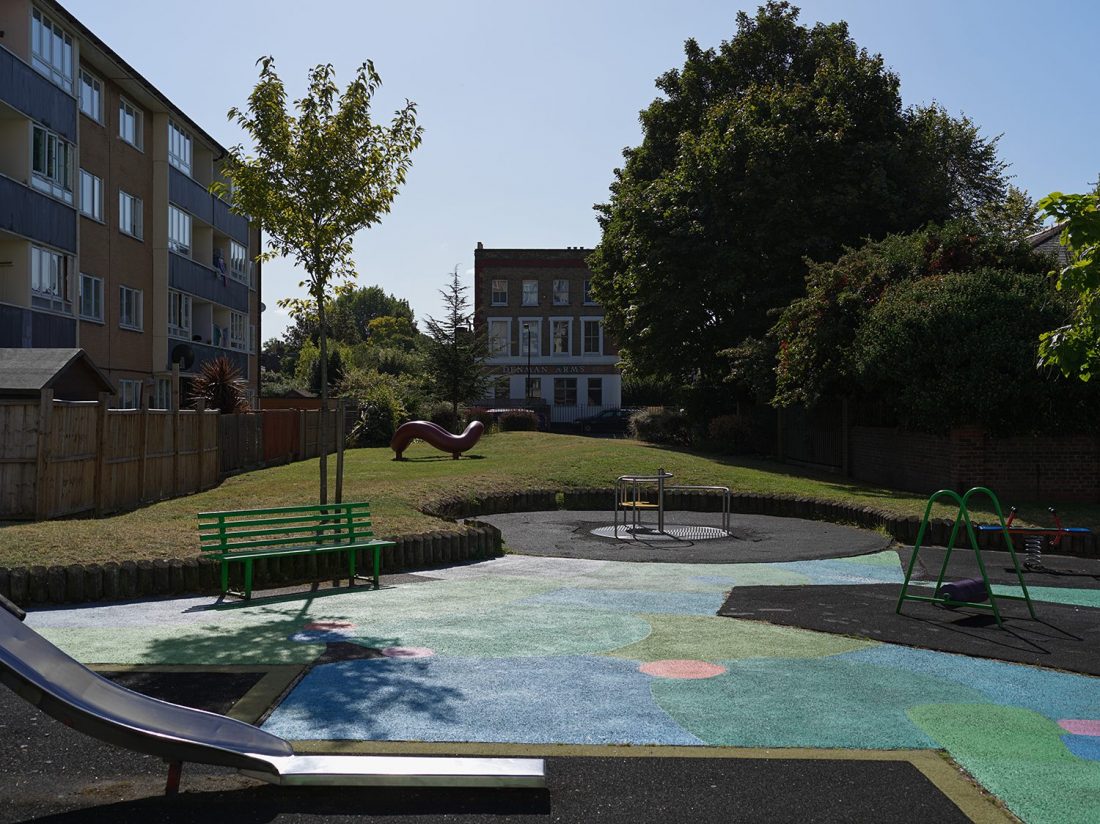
(254, 529)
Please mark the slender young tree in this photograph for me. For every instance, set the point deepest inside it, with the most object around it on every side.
(457, 351)
(315, 179)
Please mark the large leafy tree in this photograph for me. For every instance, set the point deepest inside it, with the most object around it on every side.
(785, 143)
(456, 351)
(349, 316)
(316, 178)
(1075, 346)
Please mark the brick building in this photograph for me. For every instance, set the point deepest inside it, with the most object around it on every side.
(109, 238)
(546, 334)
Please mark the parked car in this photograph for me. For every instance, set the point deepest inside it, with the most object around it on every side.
(613, 421)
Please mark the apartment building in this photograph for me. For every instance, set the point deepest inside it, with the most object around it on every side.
(109, 237)
(546, 332)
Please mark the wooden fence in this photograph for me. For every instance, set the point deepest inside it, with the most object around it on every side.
(249, 440)
(62, 458)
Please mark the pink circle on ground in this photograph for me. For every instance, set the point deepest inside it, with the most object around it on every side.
(681, 669)
(1080, 726)
(407, 652)
(329, 625)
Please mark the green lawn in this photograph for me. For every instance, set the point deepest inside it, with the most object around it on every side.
(501, 462)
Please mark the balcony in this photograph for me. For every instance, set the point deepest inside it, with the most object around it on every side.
(202, 281)
(194, 198)
(26, 329)
(23, 211)
(204, 352)
(24, 89)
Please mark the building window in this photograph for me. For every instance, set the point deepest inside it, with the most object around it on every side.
(529, 333)
(500, 338)
(534, 388)
(91, 298)
(179, 315)
(595, 391)
(162, 395)
(129, 394)
(91, 96)
(559, 336)
(179, 148)
(179, 231)
(561, 292)
(52, 164)
(238, 262)
(530, 293)
(593, 337)
(500, 293)
(129, 123)
(565, 391)
(49, 280)
(52, 50)
(237, 325)
(129, 308)
(91, 195)
(129, 214)
(588, 298)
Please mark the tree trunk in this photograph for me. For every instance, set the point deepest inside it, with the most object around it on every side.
(322, 429)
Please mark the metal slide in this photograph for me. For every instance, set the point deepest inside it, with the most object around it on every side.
(70, 692)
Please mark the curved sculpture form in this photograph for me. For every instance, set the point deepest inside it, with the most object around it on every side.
(437, 436)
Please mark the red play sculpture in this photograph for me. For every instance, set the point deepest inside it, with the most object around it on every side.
(437, 436)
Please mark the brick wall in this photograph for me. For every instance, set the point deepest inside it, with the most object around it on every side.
(1029, 468)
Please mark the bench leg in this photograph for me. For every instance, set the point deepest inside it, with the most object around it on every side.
(377, 564)
(351, 567)
(225, 576)
(247, 578)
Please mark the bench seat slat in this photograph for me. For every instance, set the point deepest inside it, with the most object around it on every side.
(336, 517)
(330, 529)
(335, 509)
(306, 550)
(294, 539)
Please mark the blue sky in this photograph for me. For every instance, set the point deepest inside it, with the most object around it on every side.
(527, 106)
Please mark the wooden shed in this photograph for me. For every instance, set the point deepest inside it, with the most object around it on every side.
(69, 373)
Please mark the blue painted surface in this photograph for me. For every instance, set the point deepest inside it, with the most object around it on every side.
(1083, 746)
(569, 700)
(843, 571)
(631, 600)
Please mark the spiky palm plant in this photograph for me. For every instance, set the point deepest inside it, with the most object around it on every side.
(220, 384)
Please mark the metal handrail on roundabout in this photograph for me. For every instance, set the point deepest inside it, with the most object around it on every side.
(629, 496)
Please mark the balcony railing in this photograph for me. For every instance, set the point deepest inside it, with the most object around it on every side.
(202, 281)
(204, 352)
(24, 89)
(192, 196)
(23, 211)
(25, 328)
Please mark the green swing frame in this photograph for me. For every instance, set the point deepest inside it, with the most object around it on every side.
(963, 517)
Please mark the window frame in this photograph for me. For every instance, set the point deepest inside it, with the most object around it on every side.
(136, 228)
(98, 294)
(505, 350)
(238, 342)
(97, 194)
(493, 292)
(162, 394)
(180, 309)
(561, 292)
(554, 324)
(126, 110)
(590, 383)
(43, 63)
(127, 387)
(179, 135)
(85, 79)
(240, 273)
(56, 298)
(584, 336)
(565, 383)
(126, 318)
(523, 293)
(46, 180)
(530, 387)
(178, 219)
(588, 299)
(536, 350)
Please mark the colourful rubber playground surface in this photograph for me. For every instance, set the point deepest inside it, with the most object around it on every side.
(526, 651)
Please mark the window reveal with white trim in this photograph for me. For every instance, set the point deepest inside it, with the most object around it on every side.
(50, 280)
(179, 315)
(593, 337)
(129, 394)
(129, 214)
(130, 308)
(52, 163)
(91, 195)
(560, 332)
(565, 391)
(237, 326)
(589, 298)
(51, 50)
(91, 96)
(91, 297)
(238, 262)
(561, 292)
(162, 397)
(529, 333)
(530, 293)
(500, 293)
(500, 337)
(179, 231)
(595, 391)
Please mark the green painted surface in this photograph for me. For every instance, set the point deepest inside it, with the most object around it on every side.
(718, 639)
(824, 702)
(1018, 755)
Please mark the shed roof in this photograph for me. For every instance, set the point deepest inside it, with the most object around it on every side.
(26, 372)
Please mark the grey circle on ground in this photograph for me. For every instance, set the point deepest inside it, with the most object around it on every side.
(671, 533)
(752, 538)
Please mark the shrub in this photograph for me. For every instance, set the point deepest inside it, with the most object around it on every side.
(660, 426)
(380, 413)
(480, 413)
(519, 420)
(220, 384)
(443, 414)
(730, 434)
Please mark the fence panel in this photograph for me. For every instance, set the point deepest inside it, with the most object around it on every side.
(814, 436)
(18, 459)
(71, 452)
(280, 435)
(158, 475)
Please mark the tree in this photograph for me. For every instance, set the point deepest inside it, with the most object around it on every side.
(350, 314)
(389, 332)
(1075, 347)
(456, 352)
(315, 180)
(1017, 216)
(785, 143)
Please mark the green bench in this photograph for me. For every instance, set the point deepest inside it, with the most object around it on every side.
(244, 535)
